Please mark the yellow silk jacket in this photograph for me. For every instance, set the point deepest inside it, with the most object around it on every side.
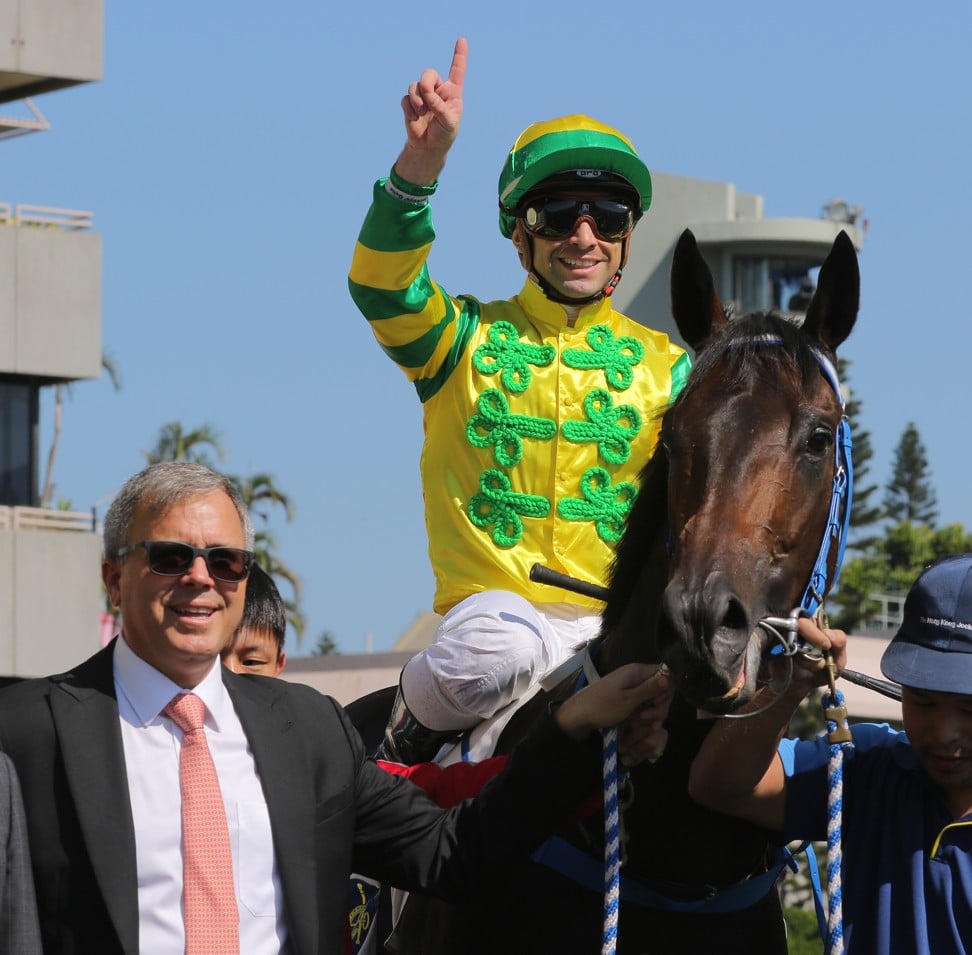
(534, 431)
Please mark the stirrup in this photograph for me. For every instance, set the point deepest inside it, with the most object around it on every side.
(408, 741)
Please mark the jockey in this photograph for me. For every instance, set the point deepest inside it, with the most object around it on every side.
(539, 410)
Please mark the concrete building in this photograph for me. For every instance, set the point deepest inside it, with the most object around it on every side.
(50, 335)
(756, 263)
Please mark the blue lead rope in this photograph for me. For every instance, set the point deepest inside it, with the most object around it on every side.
(841, 740)
(612, 843)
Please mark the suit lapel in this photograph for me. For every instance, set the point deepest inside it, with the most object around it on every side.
(85, 715)
(270, 725)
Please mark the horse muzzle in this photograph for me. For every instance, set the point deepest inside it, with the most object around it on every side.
(705, 638)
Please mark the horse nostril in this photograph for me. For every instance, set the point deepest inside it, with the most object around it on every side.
(735, 617)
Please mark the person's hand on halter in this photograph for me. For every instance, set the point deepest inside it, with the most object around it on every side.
(635, 698)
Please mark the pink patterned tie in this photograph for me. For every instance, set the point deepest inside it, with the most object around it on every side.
(211, 917)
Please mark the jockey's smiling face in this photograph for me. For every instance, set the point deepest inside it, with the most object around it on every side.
(574, 238)
(577, 266)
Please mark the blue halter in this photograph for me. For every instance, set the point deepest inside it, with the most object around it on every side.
(838, 518)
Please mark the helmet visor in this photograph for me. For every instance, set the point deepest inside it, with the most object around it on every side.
(557, 218)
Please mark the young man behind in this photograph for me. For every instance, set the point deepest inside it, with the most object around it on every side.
(907, 796)
(257, 645)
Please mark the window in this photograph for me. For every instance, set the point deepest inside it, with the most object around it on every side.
(18, 453)
(760, 284)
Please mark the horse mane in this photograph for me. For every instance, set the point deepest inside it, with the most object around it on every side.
(647, 519)
(739, 349)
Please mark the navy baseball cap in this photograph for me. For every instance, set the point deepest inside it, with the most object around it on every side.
(932, 649)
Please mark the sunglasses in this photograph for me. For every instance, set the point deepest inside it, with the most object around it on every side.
(173, 559)
(612, 219)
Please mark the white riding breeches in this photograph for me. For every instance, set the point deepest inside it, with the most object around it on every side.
(488, 650)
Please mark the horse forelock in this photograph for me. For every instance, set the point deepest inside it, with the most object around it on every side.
(743, 351)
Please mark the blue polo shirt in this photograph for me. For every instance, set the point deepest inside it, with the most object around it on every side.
(907, 872)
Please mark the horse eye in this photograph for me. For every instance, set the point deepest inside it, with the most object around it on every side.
(820, 440)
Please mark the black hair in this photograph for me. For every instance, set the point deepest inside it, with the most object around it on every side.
(263, 608)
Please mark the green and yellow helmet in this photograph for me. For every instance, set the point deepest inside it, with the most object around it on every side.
(570, 145)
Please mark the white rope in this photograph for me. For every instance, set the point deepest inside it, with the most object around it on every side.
(840, 739)
(612, 843)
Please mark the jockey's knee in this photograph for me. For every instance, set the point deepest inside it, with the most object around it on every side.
(487, 651)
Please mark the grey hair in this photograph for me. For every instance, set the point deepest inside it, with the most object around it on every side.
(158, 488)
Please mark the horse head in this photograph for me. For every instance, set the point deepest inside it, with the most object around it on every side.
(746, 462)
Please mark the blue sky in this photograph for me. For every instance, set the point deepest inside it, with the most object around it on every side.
(228, 157)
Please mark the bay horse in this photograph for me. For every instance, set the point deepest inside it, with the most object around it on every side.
(725, 530)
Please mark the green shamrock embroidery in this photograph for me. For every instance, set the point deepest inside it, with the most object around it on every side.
(603, 504)
(494, 425)
(617, 356)
(613, 429)
(499, 506)
(504, 352)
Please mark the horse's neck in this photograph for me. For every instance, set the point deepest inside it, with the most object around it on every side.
(639, 574)
(632, 638)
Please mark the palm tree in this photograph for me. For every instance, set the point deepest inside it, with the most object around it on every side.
(259, 489)
(263, 553)
(260, 493)
(174, 443)
(60, 392)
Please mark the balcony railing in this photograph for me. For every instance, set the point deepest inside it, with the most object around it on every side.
(44, 518)
(48, 217)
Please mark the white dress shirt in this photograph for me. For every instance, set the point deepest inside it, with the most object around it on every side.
(152, 743)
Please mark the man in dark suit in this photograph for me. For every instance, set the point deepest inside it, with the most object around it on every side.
(19, 932)
(98, 759)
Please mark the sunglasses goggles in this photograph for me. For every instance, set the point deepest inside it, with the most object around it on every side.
(174, 558)
(557, 218)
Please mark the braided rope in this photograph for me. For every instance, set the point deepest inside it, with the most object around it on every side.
(612, 842)
(835, 806)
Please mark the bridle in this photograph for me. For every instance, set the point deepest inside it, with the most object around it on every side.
(784, 629)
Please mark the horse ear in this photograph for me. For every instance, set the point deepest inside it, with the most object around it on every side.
(695, 306)
(833, 310)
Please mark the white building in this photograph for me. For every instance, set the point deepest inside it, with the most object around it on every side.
(50, 334)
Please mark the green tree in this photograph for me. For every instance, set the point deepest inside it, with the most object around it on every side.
(261, 495)
(864, 514)
(803, 933)
(891, 566)
(110, 368)
(326, 644)
(909, 495)
(175, 443)
(951, 539)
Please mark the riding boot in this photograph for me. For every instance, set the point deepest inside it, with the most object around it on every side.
(406, 740)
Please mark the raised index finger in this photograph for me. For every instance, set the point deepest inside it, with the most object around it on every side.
(457, 70)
